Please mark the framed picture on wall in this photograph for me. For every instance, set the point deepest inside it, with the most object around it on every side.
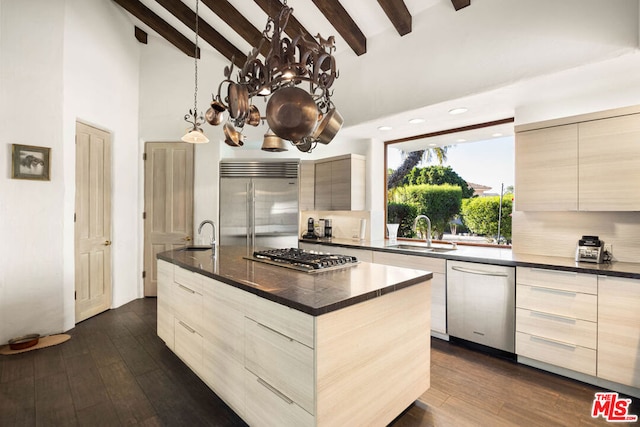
(30, 162)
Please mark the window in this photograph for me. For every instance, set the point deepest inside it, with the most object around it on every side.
(467, 194)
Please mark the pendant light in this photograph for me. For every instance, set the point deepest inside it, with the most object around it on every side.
(194, 134)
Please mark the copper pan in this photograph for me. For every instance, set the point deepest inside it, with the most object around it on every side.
(238, 101)
(232, 136)
(328, 127)
(292, 113)
(253, 118)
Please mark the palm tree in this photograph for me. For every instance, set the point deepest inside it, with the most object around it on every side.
(413, 159)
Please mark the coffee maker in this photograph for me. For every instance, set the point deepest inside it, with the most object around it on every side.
(311, 233)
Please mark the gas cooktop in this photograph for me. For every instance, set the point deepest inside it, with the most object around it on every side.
(301, 260)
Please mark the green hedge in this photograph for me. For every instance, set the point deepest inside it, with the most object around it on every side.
(403, 214)
(441, 203)
(480, 215)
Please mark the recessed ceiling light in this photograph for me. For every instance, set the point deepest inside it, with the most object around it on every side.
(416, 120)
(433, 145)
(497, 134)
(384, 128)
(459, 110)
(461, 140)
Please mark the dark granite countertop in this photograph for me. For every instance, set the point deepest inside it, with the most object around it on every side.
(315, 294)
(495, 256)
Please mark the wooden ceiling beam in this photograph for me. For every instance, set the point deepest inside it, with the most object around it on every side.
(459, 4)
(238, 22)
(206, 31)
(160, 26)
(344, 24)
(398, 14)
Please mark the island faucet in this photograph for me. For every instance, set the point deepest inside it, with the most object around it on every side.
(213, 233)
(415, 227)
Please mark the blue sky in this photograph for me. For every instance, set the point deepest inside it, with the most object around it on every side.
(488, 162)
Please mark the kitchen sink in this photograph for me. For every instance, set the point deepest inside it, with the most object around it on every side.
(420, 248)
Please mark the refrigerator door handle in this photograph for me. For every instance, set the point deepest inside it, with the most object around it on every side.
(248, 213)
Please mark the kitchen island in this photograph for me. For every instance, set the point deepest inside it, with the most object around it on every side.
(283, 347)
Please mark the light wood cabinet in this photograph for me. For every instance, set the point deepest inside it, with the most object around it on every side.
(585, 163)
(277, 366)
(223, 347)
(619, 330)
(609, 164)
(306, 198)
(340, 183)
(546, 175)
(166, 326)
(556, 318)
(438, 283)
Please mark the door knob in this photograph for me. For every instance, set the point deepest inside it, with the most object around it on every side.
(187, 239)
(107, 243)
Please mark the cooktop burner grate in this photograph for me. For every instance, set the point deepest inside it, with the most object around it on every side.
(307, 260)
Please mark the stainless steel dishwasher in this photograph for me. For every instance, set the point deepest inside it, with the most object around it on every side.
(481, 304)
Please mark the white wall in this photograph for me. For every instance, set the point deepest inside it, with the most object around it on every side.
(101, 85)
(31, 101)
(62, 61)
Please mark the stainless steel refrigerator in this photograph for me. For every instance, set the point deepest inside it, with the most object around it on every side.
(259, 203)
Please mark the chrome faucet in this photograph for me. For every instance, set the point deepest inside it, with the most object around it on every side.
(415, 227)
(213, 233)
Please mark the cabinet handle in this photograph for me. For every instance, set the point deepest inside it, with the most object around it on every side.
(479, 272)
(554, 291)
(546, 270)
(274, 331)
(554, 342)
(554, 316)
(187, 327)
(187, 289)
(275, 391)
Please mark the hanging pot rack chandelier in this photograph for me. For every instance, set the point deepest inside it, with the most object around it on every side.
(303, 117)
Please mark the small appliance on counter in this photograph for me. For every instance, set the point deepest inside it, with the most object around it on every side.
(590, 249)
(311, 232)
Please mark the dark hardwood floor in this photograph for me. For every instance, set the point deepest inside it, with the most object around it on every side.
(116, 371)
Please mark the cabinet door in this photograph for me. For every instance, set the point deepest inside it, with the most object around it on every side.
(341, 185)
(188, 346)
(619, 330)
(307, 185)
(547, 169)
(323, 186)
(165, 314)
(609, 159)
(438, 283)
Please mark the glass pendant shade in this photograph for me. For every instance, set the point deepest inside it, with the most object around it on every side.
(195, 136)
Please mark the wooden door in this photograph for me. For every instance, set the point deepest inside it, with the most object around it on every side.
(168, 200)
(92, 222)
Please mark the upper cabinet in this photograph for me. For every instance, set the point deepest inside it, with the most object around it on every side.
(589, 164)
(340, 183)
(547, 169)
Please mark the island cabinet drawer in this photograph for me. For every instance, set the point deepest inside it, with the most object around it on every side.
(188, 345)
(560, 302)
(287, 321)
(556, 279)
(266, 406)
(434, 265)
(188, 278)
(558, 328)
(282, 362)
(576, 358)
(187, 305)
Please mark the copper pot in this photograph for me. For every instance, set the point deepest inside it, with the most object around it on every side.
(273, 143)
(304, 145)
(238, 101)
(253, 118)
(328, 127)
(291, 113)
(232, 136)
(213, 115)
